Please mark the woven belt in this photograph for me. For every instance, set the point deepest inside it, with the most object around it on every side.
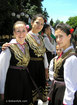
(36, 59)
(18, 67)
(60, 82)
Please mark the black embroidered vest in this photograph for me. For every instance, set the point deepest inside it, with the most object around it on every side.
(18, 58)
(58, 65)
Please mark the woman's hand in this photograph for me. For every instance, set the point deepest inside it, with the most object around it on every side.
(5, 45)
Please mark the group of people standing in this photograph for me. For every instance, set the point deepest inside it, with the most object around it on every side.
(24, 66)
(24, 59)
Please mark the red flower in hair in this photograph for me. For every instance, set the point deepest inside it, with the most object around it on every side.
(71, 30)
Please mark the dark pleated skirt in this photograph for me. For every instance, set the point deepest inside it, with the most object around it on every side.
(37, 72)
(57, 94)
(18, 90)
(49, 56)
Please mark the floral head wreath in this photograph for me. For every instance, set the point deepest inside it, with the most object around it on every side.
(71, 30)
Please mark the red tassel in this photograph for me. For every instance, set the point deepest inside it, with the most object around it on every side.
(48, 98)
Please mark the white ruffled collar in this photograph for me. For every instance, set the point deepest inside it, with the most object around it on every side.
(33, 33)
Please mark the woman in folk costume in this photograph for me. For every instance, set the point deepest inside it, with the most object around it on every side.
(38, 63)
(38, 57)
(51, 71)
(64, 87)
(58, 55)
(50, 47)
(15, 83)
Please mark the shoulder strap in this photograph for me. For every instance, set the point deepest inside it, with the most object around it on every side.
(71, 55)
(33, 81)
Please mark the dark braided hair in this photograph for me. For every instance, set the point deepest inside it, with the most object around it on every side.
(64, 27)
(36, 16)
(45, 26)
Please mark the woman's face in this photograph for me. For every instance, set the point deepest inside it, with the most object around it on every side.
(62, 39)
(37, 25)
(58, 50)
(20, 33)
(48, 31)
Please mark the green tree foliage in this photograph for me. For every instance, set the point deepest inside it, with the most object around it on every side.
(45, 13)
(7, 7)
(72, 21)
(38, 4)
(4, 16)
